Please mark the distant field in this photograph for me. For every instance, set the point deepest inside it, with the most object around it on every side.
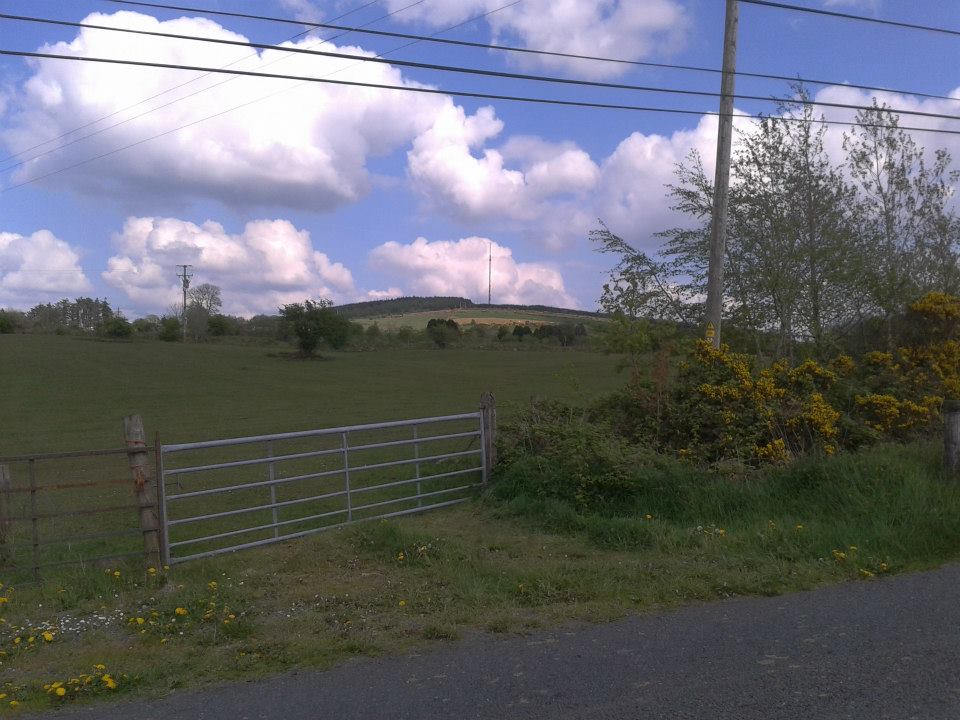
(482, 316)
(68, 393)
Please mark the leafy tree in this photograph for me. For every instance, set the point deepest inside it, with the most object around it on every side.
(502, 332)
(314, 322)
(910, 237)
(405, 334)
(170, 329)
(443, 331)
(206, 296)
(521, 331)
(145, 326)
(219, 325)
(10, 321)
(117, 327)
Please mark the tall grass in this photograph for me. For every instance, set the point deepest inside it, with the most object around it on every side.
(891, 503)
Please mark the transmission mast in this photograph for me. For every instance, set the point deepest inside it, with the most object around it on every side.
(185, 283)
(489, 273)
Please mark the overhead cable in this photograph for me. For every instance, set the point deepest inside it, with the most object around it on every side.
(464, 70)
(528, 51)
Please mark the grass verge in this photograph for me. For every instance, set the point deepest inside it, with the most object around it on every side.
(515, 561)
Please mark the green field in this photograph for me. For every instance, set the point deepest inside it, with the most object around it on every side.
(70, 393)
(480, 315)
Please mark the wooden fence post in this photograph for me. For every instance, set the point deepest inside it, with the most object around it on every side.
(5, 483)
(136, 441)
(951, 436)
(488, 417)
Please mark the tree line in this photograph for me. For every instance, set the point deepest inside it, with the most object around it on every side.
(820, 252)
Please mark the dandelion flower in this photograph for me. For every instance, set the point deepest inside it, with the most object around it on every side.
(866, 573)
(212, 584)
(116, 573)
(13, 703)
(182, 611)
(61, 691)
(403, 603)
(152, 570)
(140, 621)
(799, 527)
(100, 667)
(853, 548)
(48, 636)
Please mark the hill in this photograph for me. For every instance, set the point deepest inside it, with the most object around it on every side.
(460, 307)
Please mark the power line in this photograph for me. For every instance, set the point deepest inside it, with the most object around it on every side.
(841, 15)
(425, 90)
(531, 51)
(459, 69)
(210, 87)
(159, 94)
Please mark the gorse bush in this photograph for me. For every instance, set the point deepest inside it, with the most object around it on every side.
(724, 406)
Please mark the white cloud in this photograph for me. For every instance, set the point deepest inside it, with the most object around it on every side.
(454, 172)
(270, 263)
(873, 5)
(38, 268)
(625, 29)
(460, 268)
(305, 147)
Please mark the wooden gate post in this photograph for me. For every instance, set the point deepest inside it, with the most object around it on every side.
(488, 418)
(951, 436)
(5, 483)
(136, 441)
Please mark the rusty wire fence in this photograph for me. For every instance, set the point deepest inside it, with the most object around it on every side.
(71, 508)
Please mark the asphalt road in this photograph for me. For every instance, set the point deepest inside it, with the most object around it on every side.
(871, 650)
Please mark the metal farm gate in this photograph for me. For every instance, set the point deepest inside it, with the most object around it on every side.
(219, 496)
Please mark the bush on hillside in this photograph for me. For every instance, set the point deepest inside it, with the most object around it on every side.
(117, 327)
(443, 331)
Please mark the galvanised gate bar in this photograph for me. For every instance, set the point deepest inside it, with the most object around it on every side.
(290, 485)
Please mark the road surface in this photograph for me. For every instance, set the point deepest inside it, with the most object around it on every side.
(867, 650)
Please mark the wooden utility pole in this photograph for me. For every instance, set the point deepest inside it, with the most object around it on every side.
(721, 183)
(185, 283)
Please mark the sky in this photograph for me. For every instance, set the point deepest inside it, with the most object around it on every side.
(280, 190)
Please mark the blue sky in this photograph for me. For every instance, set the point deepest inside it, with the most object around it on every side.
(349, 194)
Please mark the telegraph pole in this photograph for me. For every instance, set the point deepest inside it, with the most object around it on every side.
(721, 184)
(185, 282)
(489, 273)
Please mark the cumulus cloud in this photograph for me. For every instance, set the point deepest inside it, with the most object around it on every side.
(268, 264)
(38, 268)
(626, 29)
(460, 268)
(307, 146)
(453, 170)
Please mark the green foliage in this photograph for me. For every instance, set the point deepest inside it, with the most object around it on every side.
(315, 322)
(502, 332)
(170, 329)
(8, 323)
(521, 331)
(220, 325)
(443, 331)
(145, 326)
(117, 327)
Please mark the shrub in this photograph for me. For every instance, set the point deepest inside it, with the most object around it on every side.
(313, 323)
(7, 324)
(443, 332)
(117, 327)
(143, 326)
(170, 329)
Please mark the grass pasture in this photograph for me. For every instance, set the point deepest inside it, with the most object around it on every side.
(61, 393)
(513, 560)
(480, 315)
